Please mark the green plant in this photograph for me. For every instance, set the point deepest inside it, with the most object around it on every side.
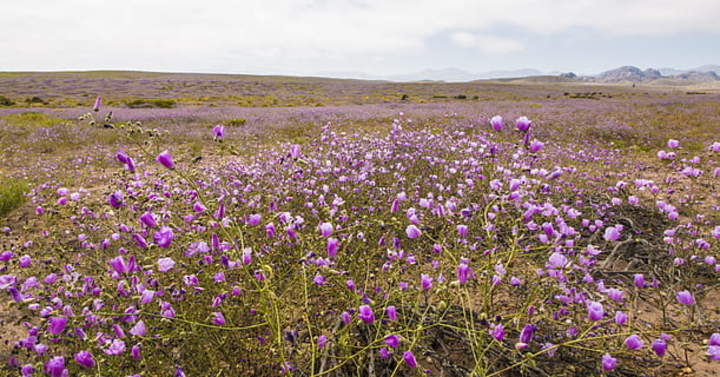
(12, 194)
(4, 101)
(236, 122)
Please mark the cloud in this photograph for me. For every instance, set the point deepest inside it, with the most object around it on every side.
(487, 44)
(179, 34)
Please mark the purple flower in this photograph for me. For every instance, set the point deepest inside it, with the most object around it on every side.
(633, 342)
(639, 280)
(56, 325)
(148, 219)
(27, 370)
(620, 317)
(595, 310)
(117, 347)
(219, 131)
(523, 123)
(536, 145)
(462, 230)
(672, 143)
(409, 359)
(425, 281)
(714, 339)
(685, 297)
(463, 273)
(392, 341)
(498, 332)
(497, 123)
(165, 159)
(116, 199)
(391, 313)
(121, 156)
(218, 319)
(85, 359)
(326, 229)
(366, 314)
(322, 341)
(332, 247)
(526, 334)
(294, 151)
(118, 264)
(98, 103)
(557, 260)
(714, 353)
(412, 231)
(135, 352)
(165, 264)
(608, 362)
(55, 366)
(139, 329)
(659, 346)
(611, 234)
(164, 236)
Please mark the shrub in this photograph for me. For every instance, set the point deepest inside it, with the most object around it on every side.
(12, 194)
(151, 103)
(236, 122)
(35, 100)
(4, 101)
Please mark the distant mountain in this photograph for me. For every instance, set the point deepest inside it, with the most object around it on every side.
(704, 68)
(624, 73)
(635, 74)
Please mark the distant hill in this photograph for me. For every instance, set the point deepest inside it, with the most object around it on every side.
(635, 74)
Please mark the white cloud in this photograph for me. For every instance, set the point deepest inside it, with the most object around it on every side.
(488, 44)
(272, 34)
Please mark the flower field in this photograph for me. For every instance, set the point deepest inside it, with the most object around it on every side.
(528, 235)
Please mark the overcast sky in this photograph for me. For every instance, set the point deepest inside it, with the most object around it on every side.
(379, 37)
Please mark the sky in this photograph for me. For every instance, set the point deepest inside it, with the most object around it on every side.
(373, 37)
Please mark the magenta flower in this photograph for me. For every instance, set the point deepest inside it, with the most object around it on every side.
(322, 341)
(412, 231)
(366, 314)
(218, 319)
(536, 145)
(639, 280)
(326, 229)
(85, 359)
(391, 313)
(165, 159)
(332, 247)
(498, 332)
(294, 151)
(116, 199)
(595, 311)
(659, 346)
(633, 342)
(56, 325)
(165, 264)
(139, 329)
(463, 273)
(219, 131)
(164, 236)
(55, 367)
(117, 347)
(425, 282)
(523, 123)
(497, 123)
(409, 359)
(148, 219)
(608, 362)
(392, 341)
(685, 297)
(611, 234)
(620, 317)
(672, 143)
